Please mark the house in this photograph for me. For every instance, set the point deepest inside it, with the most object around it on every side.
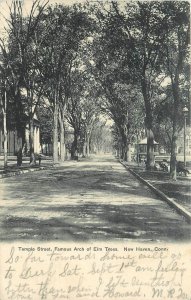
(14, 142)
(180, 142)
(142, 149)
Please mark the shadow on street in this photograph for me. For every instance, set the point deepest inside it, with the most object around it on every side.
(83, 201)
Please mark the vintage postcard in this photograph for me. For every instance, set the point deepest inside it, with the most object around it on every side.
(95, 150)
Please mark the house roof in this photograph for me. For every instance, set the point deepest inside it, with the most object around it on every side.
(144, 142)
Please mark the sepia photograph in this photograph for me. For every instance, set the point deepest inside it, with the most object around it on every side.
(95, 150)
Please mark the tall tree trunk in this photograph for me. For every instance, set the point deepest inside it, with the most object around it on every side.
(126, 155)
(88, 146)
(31, 143)
(150, 149)
(128, 152)
(55, 129)
(122, 152)
(148, 124)
(173, 156)
(20, 122)
(31, 127)
(62, 136)
(84, 149)
(5, 129)
(74, 149)
(20, 125)
(176, 105)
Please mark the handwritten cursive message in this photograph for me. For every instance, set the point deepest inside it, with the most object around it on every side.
(94, 271)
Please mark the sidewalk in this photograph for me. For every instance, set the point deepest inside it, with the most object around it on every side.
(178, 192)
(12, 168)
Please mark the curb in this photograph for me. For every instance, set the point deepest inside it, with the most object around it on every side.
(11, 174)
(179, 208)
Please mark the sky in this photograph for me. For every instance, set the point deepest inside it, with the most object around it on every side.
(28, 3)
(4, 8)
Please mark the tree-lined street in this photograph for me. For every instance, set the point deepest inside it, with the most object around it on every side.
(80, 80)
(89, 200)
(95, 148)
(64, 68)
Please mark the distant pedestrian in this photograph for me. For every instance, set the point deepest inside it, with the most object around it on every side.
(19, 157)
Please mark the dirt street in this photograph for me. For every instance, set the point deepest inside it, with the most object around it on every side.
(85, 201)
